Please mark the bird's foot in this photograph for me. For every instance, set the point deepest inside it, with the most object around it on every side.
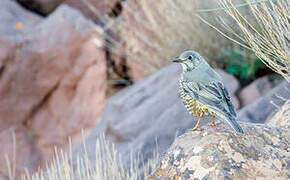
(196, 129)
(212, 124)
(212, 121)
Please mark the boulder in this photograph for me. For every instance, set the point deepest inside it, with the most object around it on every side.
(219, 153)
(266, 106)
(145, 114)
(254, 91)
(52, 79)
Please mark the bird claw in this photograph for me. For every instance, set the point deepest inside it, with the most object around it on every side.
(212, 124)
(196, 129)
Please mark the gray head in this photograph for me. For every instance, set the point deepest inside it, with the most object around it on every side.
(189, 60)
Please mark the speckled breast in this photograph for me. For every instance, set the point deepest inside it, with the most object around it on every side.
(194, 107)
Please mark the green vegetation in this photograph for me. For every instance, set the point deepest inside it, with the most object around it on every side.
(243, 64)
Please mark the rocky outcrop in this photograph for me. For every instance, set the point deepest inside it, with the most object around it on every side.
(52, 81)
(219, 153)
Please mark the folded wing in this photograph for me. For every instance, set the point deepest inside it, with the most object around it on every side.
(212, 94)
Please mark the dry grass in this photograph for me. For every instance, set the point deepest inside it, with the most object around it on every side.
(107, 165)
(153, 33)
(266, 31)
(282, 117)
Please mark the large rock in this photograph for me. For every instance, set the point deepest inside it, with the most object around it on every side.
(52, 79)
(265, 107)
(146, 114)
(219, 153)
(255, 90)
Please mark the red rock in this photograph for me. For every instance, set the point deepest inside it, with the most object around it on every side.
(52, 80)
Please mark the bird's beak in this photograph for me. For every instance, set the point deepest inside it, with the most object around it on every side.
(177, 60)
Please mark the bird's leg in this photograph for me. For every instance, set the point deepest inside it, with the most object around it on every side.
(212, 121)
(196, 126)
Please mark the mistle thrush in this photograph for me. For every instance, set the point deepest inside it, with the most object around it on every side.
(203, 92)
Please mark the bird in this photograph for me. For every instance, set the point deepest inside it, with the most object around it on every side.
(203, 92)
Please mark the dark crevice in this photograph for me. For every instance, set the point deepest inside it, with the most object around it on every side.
(2, 69)
(117, 9)
(41, 103)
(32, 6)
(122, 70)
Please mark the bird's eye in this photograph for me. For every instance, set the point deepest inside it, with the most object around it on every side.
(190, 57)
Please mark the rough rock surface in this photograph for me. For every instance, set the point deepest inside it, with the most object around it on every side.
(146, 114)
(219, 153)
(52, 80)
(265, 107)
(254, 91)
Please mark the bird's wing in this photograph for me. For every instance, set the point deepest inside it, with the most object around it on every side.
(212, 94)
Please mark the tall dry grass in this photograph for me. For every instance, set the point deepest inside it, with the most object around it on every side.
(153, 33)
(107, 165)
(266, 31)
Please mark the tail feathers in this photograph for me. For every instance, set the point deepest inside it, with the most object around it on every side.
(235, 125)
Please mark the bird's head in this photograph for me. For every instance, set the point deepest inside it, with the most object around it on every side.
(189, 60)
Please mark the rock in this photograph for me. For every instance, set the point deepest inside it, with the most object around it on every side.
(282, 117)
(254, 91)
(265, 107)
(146, 114)
(15, 21)
(219, 153)
(43, 7)
(95, 9)
(52, 78)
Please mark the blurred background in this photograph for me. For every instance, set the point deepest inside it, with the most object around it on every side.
(71, 70)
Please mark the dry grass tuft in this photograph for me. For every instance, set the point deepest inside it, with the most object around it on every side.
(266, 31)
(107, 165)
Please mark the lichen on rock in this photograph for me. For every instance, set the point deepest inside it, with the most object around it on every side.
(219, 153)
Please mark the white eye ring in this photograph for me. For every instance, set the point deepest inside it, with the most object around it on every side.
(190, 57)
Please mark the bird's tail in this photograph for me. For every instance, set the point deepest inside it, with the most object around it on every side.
(234, 124)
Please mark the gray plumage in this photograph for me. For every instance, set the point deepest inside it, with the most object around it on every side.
(202, 89)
